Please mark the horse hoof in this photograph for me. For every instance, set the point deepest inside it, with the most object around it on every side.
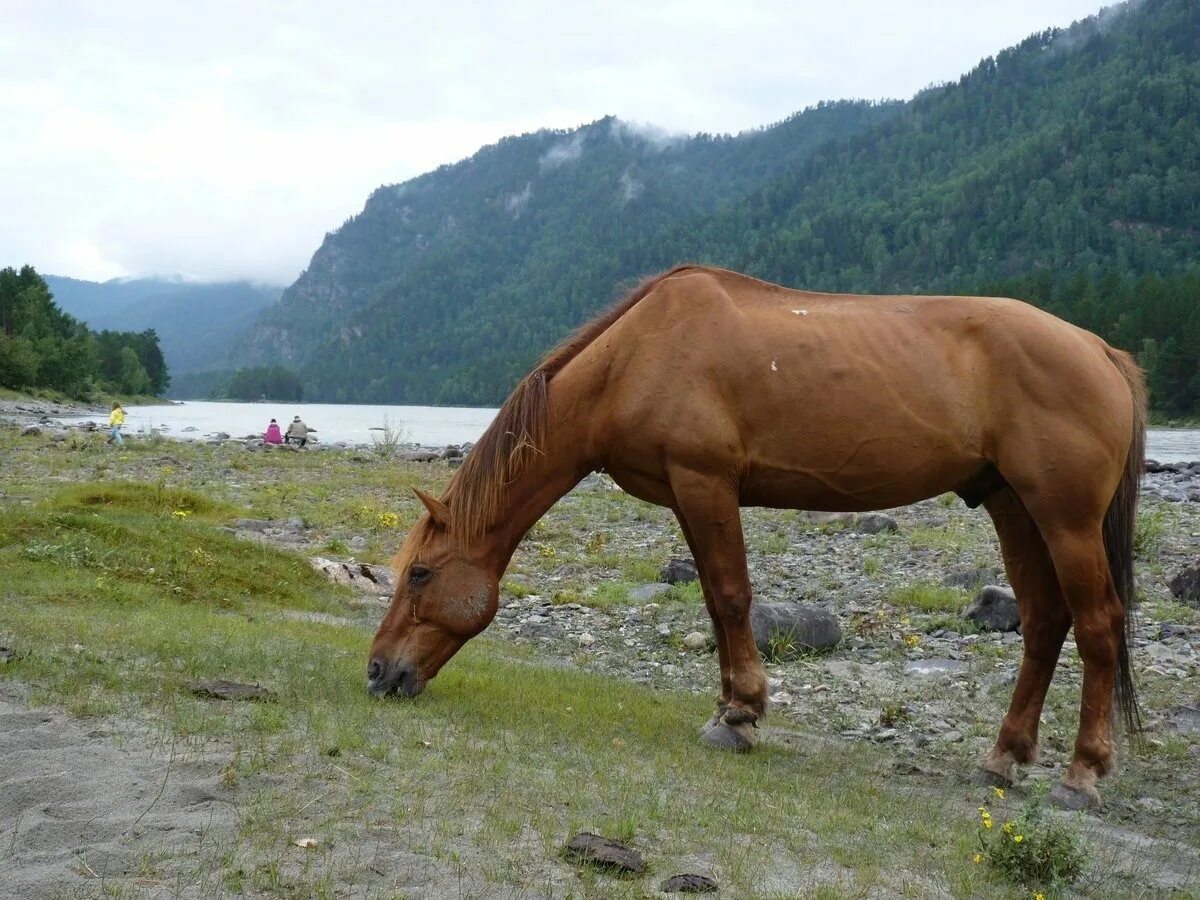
(987, 778)
(1066, 797)
(712, 723)
(737, 738)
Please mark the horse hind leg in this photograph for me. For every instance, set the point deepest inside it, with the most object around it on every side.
(1045, 620)
(1086, 579)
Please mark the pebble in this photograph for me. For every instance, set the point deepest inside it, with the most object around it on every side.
(695, 640)
(586, 639)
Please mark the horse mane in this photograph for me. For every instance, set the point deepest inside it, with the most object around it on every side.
(477, 491)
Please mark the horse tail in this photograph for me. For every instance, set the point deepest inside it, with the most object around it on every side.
(1119, 524)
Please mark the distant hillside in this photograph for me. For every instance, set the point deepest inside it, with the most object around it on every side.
(197, 324)
(1075, 154)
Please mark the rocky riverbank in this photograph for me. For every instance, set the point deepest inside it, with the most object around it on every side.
(602, 583)
(901, 631)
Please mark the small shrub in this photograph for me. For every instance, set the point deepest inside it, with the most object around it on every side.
(390, 440)
(780, 647)
(1149, 531)
(1035, 850)
(872, 566)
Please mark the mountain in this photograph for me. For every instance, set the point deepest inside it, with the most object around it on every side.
(1071, 161)
(197, 324)
(445, 287)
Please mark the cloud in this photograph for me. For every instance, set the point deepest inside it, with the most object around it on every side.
(224, 139)
(563, 152)
(516, 203)
(628, 188)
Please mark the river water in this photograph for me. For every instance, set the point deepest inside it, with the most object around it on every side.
(432, 426)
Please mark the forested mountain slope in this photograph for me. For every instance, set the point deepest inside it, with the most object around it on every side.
(445, 287)
(1073, 157)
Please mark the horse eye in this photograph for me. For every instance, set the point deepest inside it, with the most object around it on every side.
(419, 575)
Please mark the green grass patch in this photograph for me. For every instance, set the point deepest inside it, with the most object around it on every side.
(929, 597)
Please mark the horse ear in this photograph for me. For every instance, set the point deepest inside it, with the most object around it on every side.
(438, 511)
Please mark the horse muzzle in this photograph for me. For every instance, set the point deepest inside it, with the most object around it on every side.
(385, 678)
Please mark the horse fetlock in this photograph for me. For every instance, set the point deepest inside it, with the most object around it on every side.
(739, 715)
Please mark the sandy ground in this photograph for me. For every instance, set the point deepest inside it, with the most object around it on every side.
(78, 806)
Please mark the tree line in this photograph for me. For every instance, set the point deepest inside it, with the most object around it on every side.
(41, 347)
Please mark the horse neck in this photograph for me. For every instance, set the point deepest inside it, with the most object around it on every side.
(547, 475)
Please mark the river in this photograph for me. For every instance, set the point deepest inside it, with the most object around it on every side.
(431, 426)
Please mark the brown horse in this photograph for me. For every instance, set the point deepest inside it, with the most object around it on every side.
(705, 391)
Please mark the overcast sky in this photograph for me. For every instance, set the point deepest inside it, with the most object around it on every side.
(222, 140)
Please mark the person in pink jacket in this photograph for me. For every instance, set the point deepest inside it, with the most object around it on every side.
(273, 436)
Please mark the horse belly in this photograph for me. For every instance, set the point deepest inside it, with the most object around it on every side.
(860, 447)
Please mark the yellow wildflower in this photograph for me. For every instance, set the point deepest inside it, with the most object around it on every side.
(1008, 827)
(987, 823)
(389, 520)
(1039, 896)
(911, 640)
(1017, 838)
(181, 513)
(977, 858)
(999, 792)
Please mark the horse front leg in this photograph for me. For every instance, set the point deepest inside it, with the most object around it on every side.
(707, 507)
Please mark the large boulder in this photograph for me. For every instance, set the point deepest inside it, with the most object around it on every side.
(680, 571)
(1185, 584)
(30, 430)
(787, 629)
(994, 609)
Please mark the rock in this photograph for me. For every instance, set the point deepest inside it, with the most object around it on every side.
(419, 456)
(229, 690)
(605, 853)
(792, 628)
(190, 428)
(680, 571)
(258, 525)
(221, 436)
(1186, 718)
(645, 592)
(670, 669)
(924, 667)
(695, 640)
(664, 630)
(361, 576)
(688, 884)
(7, 654)
(30, 430)
(382, 576)
(1185, 584)
(59, 436)
(874, 523)
(452, 452)
(994, 609)
(586, 639)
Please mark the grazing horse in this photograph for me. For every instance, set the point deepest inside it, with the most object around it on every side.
(705, 391)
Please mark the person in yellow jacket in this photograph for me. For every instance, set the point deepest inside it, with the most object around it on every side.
(115, 420)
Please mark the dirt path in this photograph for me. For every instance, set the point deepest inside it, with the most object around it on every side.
(78, 807)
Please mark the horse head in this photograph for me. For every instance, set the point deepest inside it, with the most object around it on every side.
(444, 597)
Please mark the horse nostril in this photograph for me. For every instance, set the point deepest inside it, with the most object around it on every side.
(374, 670)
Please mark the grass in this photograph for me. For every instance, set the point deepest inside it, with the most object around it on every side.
(482, 779)
(928, 597)
(117, 616)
